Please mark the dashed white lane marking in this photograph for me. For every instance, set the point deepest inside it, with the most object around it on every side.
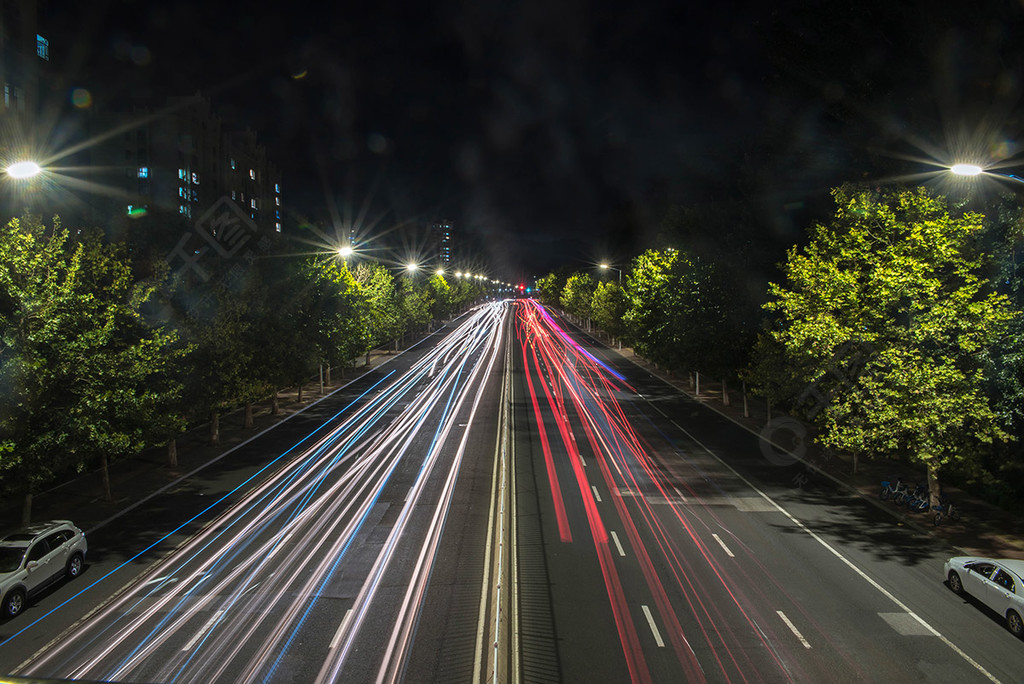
(654, 627)
(722, 544)
(597, 495)
(793, 629)
(618, 545)
(202, 632)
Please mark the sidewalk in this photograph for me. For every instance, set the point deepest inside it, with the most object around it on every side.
(135, 479)
(984, 529)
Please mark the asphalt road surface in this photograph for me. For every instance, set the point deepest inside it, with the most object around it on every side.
(510, 501)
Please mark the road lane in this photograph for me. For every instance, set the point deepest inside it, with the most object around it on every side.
(719, 568)
(346, 533)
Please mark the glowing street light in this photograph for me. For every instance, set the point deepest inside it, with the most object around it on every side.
(23, 169)
(966, 169)
(439, 272)
(345, 252)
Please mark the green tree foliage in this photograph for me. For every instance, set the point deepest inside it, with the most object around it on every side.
(608, 308)
(385, 316)
(549, 289)
(84, 377)
(578, 294)
(886, 322)
(414, 302)
(440, 297)
(679, 313)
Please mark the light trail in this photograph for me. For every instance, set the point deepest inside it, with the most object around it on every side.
(579, 389)
(234, 601)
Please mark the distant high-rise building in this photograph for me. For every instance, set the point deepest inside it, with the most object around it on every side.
(441, 234)
(180, 160)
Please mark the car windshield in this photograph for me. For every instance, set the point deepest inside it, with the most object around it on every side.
(10, 557)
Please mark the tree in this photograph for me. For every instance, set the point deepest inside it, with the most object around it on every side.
(440, 297)
(549, 288)
(887, 323)
(84, 375)
(378, 286)
(608, 308)
(578, 294)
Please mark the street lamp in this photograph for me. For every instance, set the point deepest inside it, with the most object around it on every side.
(411, 267)
(966, 169)
(23, 169)
(605, 267)
(439, 272)
(345, 252)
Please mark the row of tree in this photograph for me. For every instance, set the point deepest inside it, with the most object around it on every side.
(895, 330)
(105, 351)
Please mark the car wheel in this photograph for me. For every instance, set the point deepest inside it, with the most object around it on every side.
(1014, 624)
(74, 568)
(14, 603)
(954, 582)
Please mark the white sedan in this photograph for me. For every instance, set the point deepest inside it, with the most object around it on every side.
(998, 583)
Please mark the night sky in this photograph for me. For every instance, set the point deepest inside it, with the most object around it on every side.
(557, 132)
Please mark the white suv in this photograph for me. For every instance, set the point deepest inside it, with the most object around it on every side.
(34, 557)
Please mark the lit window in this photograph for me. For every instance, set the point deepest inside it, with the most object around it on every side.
(143, 172)
(277, 187)
(182, 193)
(252, 203)
(42, 47)
(277, 227)
(252, 174)
(195, 178)
(181, 174)
(277, 201)
(234, 195)
(232, 164)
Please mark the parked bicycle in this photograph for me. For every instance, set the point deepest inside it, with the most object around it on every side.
(918, 500)
(946, 509)
(891, 490)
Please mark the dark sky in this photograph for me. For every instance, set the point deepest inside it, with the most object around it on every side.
(559, 131)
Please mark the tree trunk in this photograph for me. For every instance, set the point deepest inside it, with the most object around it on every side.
(328, 376)
(105, 472)
(725, 393)
(934, 487)
(26, 509)
(697, 391)
(321, 378)
(247, 419)
(172, 452)
(215, 427)
(746, 409)
(275, 405)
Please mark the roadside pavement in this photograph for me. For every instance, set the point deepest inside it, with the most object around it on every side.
(984, 529)
(135, 479)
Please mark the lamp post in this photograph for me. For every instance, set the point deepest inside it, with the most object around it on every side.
(605, 267)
